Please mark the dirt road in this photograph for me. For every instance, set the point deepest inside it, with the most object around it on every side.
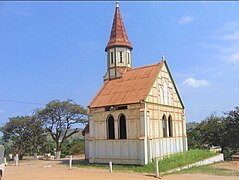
(54, 170)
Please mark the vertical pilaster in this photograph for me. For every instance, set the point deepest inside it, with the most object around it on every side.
(115, 62)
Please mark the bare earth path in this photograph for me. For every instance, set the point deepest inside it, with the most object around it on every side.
(54, 170)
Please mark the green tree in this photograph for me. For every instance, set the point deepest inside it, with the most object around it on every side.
(48, 147)
(212, 131)
(194, 138)
(60, 119)
(23, 134)
(231, 133)
(74, 147)
(222, 131)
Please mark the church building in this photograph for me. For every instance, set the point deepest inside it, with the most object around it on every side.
(137, 115)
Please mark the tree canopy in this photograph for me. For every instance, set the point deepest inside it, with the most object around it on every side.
(23, 134)
(60, 119)
(218, 131)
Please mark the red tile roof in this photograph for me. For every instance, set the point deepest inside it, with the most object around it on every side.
(118, 36)
(132, 87)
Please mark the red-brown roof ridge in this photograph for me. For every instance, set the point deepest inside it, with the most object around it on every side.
(147, 66)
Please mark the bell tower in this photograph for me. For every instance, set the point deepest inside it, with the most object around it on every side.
(118, 49)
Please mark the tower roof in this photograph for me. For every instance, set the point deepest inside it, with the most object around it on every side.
(118, 36)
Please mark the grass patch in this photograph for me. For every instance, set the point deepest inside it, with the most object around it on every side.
(208, 169)
(165, 164)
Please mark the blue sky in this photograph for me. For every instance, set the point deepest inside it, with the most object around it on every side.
(55, 50)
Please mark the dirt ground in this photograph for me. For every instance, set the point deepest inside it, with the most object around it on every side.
(231, 165)
(55, 170)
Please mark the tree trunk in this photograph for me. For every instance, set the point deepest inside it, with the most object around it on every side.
(58, 154)
(20, 156)
(58, 150)
(35, 156)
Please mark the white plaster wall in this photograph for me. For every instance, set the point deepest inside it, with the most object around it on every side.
(124, 57)
(128, 151)
(163, 100)
(112, 73)
(161, 89)
(111, 66)
(165, 146)
(87, 136)
(116, 53)
(118, 151)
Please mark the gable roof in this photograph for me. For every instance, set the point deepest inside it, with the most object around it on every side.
(171, 77)
(132, 87)
(118, 36)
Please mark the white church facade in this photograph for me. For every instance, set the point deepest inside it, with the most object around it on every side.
(137, 115)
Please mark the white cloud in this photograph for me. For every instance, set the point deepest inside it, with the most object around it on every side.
(231, 36)
(185, 20)
(195, 83)
(2, 111)
(229, 26)
(226, 42)
(234, 57)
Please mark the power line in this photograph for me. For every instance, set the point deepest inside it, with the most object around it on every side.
(22, 102)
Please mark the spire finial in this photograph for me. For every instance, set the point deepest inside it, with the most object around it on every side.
(118, 36)
(163, 58)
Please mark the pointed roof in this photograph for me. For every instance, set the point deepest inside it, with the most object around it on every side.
(118, 36)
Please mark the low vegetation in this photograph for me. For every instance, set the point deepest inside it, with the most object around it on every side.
(165, 164)
(74, 147)
(209, 169)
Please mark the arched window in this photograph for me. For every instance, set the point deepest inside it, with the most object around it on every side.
(164, 124)
(122, 127)
(110, 127)
(170, 126)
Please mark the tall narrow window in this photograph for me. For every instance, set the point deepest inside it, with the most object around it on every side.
(170, 126)
(161, 95)
(110, 127)
(165, 92)
(164, 124)
(128, 58)
(122, 127)
(112, 57)
(121, 56)
(169, 98)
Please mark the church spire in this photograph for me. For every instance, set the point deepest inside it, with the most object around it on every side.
(118, 36)
(119, 55)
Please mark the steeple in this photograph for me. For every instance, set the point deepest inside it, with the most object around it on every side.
(118, 36)
(118, 48)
